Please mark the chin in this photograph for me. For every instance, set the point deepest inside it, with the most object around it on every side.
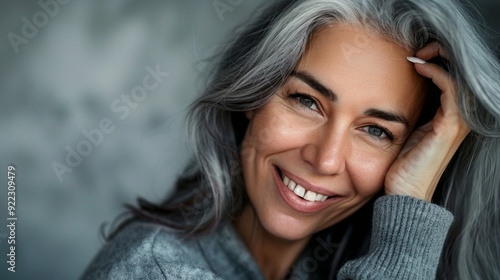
(287, 227)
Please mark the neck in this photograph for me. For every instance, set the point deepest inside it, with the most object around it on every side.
(273, 254)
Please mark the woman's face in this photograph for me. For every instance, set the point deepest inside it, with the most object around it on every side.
(331, 132)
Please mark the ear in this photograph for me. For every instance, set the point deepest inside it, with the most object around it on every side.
(249, 114)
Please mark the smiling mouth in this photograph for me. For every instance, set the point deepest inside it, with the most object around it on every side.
(302, 192)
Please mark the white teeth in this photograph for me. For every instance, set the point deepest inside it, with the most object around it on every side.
(318, 197)
(310, 195)
(300, 191)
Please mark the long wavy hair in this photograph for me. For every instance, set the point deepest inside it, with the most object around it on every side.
(211, 190)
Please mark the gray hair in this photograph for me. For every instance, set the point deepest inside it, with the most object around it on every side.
(259, 61)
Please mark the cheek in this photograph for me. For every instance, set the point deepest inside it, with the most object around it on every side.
(260, 141)
(261, 132)
(271, 133)
(368, 172)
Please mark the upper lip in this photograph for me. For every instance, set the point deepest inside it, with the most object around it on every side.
(306, 184)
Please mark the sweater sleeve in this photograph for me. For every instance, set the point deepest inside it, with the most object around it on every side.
(407, 240)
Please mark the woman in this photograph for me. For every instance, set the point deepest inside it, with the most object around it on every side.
(315, 125)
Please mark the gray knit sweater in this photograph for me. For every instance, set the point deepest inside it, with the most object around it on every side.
(407, 239)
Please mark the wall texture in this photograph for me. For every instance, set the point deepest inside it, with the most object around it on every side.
(92, 100)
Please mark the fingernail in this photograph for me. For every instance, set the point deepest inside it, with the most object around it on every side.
(415, 60)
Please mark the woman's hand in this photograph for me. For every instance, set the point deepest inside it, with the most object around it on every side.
(429, 148)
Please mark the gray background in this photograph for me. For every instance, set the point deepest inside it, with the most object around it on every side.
(64, 79)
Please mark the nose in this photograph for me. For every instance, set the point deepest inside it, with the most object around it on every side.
(327, 151)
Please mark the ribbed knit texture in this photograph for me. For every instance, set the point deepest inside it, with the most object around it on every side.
(149, 251)
(407, 239)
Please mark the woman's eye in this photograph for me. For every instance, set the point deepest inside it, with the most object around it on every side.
(378, 132)
(305, 100)
(375, 131)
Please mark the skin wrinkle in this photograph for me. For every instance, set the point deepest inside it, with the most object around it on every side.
(317, 85)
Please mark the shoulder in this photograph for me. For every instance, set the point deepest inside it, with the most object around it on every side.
(144, 250)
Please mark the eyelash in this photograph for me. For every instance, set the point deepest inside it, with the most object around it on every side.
(295, 96)
(384, 130)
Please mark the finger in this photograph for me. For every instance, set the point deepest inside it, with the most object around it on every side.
(432, 50)
(415, 137)
(443, 80)
(438, 75)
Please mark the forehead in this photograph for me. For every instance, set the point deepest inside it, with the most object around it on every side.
(356, 61)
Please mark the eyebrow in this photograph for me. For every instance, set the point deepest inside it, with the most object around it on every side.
(328, 93)
(388, 116)
(315, 84)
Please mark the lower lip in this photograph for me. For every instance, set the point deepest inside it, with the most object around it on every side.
(298, 203)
